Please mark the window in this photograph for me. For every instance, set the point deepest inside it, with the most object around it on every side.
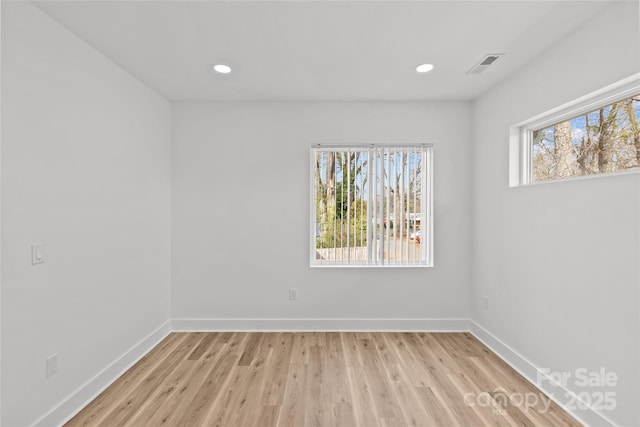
(597, 134)
(371, 206)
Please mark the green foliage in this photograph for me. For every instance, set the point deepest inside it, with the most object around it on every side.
(336, 231)
(345, 196)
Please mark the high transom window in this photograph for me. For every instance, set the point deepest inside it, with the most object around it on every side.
(597, 134)
(603, 140)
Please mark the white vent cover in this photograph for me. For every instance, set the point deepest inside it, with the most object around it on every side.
(485, 63)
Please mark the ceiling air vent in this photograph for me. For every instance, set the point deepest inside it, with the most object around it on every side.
(484, 63)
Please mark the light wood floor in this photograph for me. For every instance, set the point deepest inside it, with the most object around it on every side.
(320, 379)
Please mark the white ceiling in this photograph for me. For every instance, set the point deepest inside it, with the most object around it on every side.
(320, 50)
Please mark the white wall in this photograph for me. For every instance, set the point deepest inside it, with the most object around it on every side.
(241, 213)
(559, 261)
(85, 170)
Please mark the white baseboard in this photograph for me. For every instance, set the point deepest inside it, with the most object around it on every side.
(321, 325)
(70, 406)
(588, 417)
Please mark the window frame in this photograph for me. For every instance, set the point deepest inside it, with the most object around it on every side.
(427, 216)
(521, 134)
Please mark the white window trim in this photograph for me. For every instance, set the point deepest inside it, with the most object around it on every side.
(520, 135)
(428, 203)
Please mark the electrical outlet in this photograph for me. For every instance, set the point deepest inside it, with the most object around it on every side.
(52, 365)
(37, 253)
(293, 294)
(485, 302)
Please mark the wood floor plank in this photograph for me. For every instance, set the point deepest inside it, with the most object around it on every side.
(337, 382)
(276, 380)
(268, 417)
(213, 384)
(260, 370)
(323, 379)
(506, 387)
(136, 399)
(463, 414)
(226, 336)
(436, 407)
(300, 350)
(316, 414)
(488, 414)
(424, 356)
(385, 352)
(250, 349)
(419, 375)
(343, 415)
(447, 361)
(292, 410)
(223, 412)
(365, 411)
(384, 400)
(511, 381)
(178, 390)
(102, 405)
(350, 348)
(197, 411)
(407, 400)
(203, 346)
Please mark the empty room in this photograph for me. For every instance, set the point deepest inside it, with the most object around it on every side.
(320, 213)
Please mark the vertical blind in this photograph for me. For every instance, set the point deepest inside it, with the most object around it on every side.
(371, 205)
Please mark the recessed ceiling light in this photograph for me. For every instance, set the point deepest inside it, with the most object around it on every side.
(424, 68)
(222, 69)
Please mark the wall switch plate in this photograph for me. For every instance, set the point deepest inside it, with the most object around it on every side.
(293, 294)
(485, 302)
(51, 365)
(37, 253)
